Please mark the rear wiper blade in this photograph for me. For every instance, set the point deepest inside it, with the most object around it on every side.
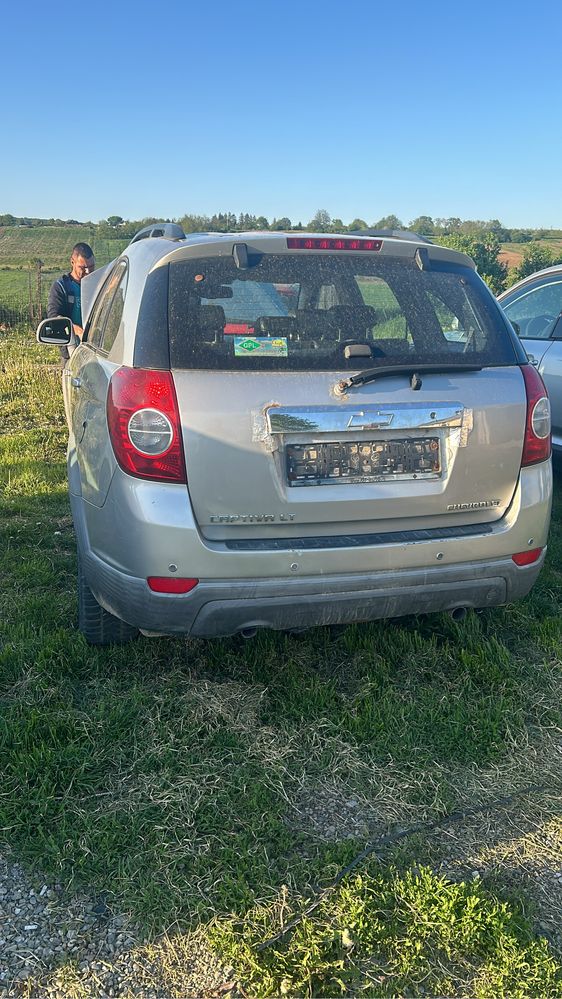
(414, 370)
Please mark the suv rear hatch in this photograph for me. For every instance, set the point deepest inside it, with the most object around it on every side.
(282, 442)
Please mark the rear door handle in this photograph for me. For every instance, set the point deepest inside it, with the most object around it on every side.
(76, 382)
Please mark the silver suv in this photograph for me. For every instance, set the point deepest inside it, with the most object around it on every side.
(282, 430)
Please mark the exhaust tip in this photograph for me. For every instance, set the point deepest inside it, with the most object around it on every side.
(248, 633)
(458, 613)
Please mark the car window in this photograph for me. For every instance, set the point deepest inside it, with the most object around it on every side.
(101, 309)
(535, 308)
(301, 312)
(115, 314)
(377, 293)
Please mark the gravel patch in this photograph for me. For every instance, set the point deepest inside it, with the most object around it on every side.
(332, 814)
(54, 943)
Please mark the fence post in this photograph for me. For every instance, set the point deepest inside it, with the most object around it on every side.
(39, 302)
(30, 297)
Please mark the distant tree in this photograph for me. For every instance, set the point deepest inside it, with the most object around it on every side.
(320, 222)
(389, 222)
(503, 234)
(8, 220)
(423, 225)
(223, 222)
(279, 225)
(338, 226)
(246, 222)
(114, 220)
(472, 227)
(357, 224)
(261, 222)
(195, 223)
(535, 257)
(521, 236)
(448, 225)
(484, 251)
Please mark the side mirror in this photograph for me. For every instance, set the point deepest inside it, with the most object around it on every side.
(56, 332)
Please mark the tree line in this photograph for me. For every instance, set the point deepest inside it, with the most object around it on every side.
(480, 239)
(321, 221)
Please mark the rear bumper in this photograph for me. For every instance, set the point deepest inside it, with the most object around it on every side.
(142, 531)
(223, 607)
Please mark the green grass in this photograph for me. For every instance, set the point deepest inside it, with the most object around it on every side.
(392, 934)
(191, 780)
(53, 245)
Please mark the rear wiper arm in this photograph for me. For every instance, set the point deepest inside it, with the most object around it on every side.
(371, 374)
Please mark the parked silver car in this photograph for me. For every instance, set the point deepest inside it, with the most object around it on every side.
(534, 307)
(281, 430)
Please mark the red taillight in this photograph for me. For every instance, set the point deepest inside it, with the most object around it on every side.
(331, 243)
(144, 424)
(171, 584)
(536, 446)
(528, 557)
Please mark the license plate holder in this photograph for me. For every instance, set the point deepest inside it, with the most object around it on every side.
(328, 463)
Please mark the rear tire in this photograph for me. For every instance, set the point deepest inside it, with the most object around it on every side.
(98, 626)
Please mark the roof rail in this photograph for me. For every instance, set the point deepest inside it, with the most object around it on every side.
(169, 230)
(393, 233)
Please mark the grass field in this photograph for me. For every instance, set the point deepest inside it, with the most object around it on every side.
(217, 786)
(21, 246)
(52, 245)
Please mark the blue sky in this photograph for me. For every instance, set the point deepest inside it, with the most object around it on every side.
(281, 108)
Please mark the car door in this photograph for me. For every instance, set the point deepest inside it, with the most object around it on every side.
(535, 309)
(88, 380)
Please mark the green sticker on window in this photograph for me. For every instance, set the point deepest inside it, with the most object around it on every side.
(260, 346)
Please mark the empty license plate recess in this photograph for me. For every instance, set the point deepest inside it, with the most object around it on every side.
(328, 462)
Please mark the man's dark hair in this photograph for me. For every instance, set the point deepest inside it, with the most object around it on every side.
(82, 250)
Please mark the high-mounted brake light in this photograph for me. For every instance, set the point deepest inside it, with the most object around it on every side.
(536, 446)
(144, 424)
(331, 243)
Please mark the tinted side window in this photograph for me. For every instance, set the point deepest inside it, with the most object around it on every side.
(102, 307)
(535, 308)
(114, 316)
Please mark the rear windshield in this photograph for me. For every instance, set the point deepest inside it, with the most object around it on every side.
(304, 312)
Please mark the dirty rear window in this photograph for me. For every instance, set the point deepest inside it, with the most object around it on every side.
(329, 312)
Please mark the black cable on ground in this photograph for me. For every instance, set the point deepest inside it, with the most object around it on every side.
(381, 844)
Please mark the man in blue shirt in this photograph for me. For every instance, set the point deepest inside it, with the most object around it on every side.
(64, 296)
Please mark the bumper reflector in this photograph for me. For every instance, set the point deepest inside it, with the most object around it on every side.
(171, 584)
(527, 558)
